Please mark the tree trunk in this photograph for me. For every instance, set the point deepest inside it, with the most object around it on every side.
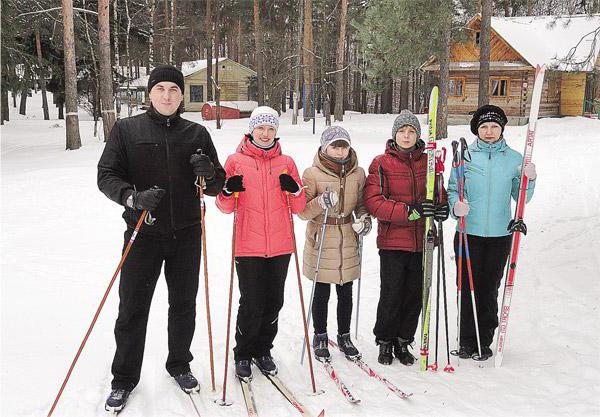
(238, 44)
(209, 55)
(151, 4)
(128, 57)
(339, 75)
(484, 53)
(296, 97)
(217, 42)
(106, 81)
(444, 60)
(506, 8)
(42, 75)
(117, 63)
(24, 93)
(96, 91)
(404, 92)
(172, 31)
(529, 7)
(72, 123)
(4, 104)
(258, 54)
(308, 60)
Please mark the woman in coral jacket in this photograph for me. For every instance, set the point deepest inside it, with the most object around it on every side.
(395, 195)
(262, 177)
(335, 183)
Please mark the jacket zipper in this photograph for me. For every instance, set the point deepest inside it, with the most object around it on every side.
(414, 193)
(169, 176)
(342, 191)
(489, 186)
(265, 212)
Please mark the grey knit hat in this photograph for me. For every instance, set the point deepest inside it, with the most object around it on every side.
(332, 134)
(406, 118)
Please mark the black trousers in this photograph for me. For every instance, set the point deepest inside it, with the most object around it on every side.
(344, 307)
(488, 260)
(400, 296)
(262, 284)
(180, 254)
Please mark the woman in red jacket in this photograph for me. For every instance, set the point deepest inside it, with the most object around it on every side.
(395, 195)
(262, 177)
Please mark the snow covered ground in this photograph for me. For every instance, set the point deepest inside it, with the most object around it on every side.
(61, 241)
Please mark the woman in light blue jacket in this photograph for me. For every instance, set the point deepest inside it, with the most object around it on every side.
(492, 178)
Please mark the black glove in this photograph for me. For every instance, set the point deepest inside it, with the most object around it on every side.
(202, 166)
(234, 184)
(425, 208)
(442, 211)
(288, 184)
(145, 200)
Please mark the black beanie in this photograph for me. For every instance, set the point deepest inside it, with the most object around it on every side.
(488, 113)
(166, 73)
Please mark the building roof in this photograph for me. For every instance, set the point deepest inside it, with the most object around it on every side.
(561, 42)
(192, 67)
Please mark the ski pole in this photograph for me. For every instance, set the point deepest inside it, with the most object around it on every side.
(314, 281)
(201, 183)
(310, 364)
(223, 401)
(448, 368)
(360, 250)
(434, 365)
(90, 328)
(463, 226)
(456, 166)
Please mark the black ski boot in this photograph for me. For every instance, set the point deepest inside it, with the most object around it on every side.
(465, 352)
(402, 353)
(345, 344)
(385, 352)
(266, 365)
(320, 347)
(116, 400)
(486, 353)
(243, 369)
(187, 382)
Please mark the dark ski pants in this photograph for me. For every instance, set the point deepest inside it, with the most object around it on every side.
(400, 296)
(488, 260)
(344, 307)
(262, 284)
(180, 254)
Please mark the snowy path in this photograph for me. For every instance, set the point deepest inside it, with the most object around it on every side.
(61, 240)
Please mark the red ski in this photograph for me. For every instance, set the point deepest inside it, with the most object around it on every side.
(517, 225)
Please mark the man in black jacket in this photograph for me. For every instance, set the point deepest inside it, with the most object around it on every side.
(152, 162)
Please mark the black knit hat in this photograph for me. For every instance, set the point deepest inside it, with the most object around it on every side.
(166, 73)
(488, 113)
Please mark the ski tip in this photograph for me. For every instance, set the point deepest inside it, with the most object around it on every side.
(322, 413)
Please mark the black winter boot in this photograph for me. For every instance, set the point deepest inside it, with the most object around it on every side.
(116, 400)
(320, 347)
(402, 353)
(266, 365)
(345, 344)
(187, 382)
(243, 369)
(465, 352)
(385, 352)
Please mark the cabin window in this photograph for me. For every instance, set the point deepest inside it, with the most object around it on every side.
(499, 87)
(196, 93)
(477, 38)
(456, 87)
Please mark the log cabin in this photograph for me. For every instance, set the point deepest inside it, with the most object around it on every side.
(568, 46)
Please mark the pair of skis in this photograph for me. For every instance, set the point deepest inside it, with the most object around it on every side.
(250, 402)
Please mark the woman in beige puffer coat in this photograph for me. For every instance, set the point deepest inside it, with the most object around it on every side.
(334, 182)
